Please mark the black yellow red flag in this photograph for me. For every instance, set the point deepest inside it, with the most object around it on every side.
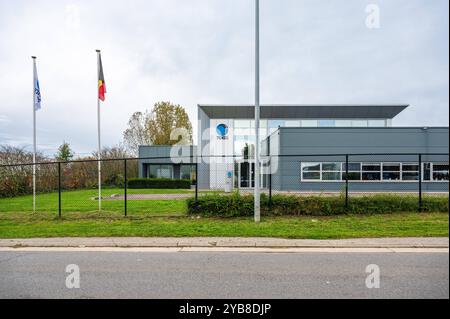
(101, 79)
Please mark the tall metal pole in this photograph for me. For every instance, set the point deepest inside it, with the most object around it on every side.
(59, 190)
(346, 180)
(125, 189)
(196, 181)
(420, 182)
(99, 166)
(257, 115)
(34, 134)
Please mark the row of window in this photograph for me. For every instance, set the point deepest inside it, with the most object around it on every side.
(274, 124)
(434, 172)
(167, 171)
(159, 171)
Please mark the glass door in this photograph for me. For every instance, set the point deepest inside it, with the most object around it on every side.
(246, 174)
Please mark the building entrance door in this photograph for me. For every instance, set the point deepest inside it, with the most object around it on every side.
(246, 176)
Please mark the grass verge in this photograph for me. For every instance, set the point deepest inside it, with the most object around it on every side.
(19, 225)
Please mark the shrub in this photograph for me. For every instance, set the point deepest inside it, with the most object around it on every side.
(236, 205)
(116, 180)
(159, 183)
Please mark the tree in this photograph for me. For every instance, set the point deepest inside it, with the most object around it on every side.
(114, 152)
(17, 180)
(166, 124)
(248, 151)
(113, 166)
(136, 134)
(65, 153)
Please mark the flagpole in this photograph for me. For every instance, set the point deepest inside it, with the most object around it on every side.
(99, 166)
(34, 135)
(257, 194)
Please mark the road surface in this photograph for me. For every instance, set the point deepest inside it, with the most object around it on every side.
(140, 274)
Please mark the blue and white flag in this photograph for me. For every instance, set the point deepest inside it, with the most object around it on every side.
(37, 90)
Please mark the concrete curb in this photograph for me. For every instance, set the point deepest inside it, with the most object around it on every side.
(232, 242)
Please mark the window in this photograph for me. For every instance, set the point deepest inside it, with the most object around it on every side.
(391, 171)
(160, 171)
(436, 172)
(327, 123)
(377, 123)
(308, 167)
(311, 176)
(343, 123)
(165, 171)
(309, 123)
(186, 171)
(263, 123)
(352, 166)
(276, 123)
(311, 171)
(371, 172)
(331, 167)
(426, 172)
(440, 172)
(331, 171)
(242, 143)
(273, 125)
(410, 172)
(358, 123)
(243, 132)
(241, 124)
(152, 173)
(293, 124)
(354, 171)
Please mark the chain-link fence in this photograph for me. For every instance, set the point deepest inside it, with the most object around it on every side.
(159, 186)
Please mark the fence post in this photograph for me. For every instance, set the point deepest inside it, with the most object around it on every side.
(59, 190)
(346, 181)
(270, 189)
(125, 186)
(196, 181)
(420, 182)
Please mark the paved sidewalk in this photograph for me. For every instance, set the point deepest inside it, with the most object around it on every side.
(435, 242)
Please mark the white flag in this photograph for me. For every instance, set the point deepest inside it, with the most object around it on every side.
(37, 90)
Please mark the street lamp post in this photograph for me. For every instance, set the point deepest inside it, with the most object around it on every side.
(257, 194)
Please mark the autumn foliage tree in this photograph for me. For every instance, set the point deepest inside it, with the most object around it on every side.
(65, 153)
(165, 124)
(16, 180)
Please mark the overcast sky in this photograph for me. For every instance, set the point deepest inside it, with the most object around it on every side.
(201, 51)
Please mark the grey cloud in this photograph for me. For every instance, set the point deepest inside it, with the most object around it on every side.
(201, 51)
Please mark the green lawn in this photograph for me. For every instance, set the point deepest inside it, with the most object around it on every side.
(82, 201)
(20, 225)
(80, 217)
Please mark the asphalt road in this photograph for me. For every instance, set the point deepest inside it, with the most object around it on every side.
(223, 275)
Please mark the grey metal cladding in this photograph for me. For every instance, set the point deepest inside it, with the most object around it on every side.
(363, 140)
(402, 143)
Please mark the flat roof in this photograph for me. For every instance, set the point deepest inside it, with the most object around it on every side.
(304, 111)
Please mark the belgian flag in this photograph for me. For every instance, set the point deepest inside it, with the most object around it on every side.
(101, 79)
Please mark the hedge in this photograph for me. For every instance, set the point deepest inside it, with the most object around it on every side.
(237, 205)
(159, 183)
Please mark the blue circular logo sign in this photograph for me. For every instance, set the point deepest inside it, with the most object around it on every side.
(222, 130)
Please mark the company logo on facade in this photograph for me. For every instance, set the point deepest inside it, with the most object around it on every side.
(222, 131)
